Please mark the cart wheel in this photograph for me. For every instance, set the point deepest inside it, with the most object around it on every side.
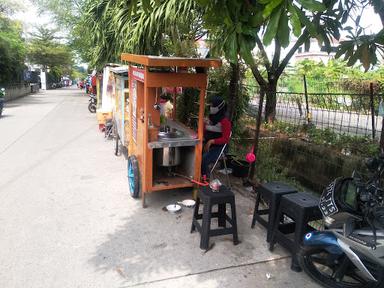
(117, 150)
(133, 176)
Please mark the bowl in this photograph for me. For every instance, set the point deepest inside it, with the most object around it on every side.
(173, 208)
(188, 203)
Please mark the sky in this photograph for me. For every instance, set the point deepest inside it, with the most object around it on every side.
(30, 17)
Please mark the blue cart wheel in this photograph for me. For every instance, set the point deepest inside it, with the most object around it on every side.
(133, 177)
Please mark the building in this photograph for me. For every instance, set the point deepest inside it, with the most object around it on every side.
(315, 52)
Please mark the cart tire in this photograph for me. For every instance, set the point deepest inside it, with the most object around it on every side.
(117, 150)
(133, 177)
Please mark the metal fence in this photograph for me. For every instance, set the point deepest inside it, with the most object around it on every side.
(342, 112)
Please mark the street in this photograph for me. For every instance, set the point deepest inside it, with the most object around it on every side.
(67, 219)
(342, 122)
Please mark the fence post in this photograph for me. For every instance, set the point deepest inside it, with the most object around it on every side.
(257, 133)
(382, 137)
(306, 99)
(372, 109)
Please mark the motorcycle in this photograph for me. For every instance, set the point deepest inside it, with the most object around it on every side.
(350, 251)
(2, 95)
(92, 103)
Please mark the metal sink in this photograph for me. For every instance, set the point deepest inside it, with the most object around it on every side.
(169, 133)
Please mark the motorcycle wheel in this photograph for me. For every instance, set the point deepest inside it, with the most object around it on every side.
(92, 108)
(333, 271)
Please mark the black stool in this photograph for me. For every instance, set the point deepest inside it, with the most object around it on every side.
(271, 193)
(301, 208)
(223, 197)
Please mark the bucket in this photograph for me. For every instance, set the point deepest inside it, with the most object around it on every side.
(240, 168)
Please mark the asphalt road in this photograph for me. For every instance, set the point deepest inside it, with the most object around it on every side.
(67, 220)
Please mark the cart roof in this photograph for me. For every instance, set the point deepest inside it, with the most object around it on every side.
(120, 69)
(159, 61)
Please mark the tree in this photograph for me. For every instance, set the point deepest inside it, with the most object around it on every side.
(44, 49)
(8, 7)
(68, 16)
(12, 50)
(235, 27)
(240, 26)
(171, 28)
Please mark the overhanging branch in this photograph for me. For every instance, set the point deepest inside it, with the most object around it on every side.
(288, 57)
(256, 73)
(263, 53)
(276, 56)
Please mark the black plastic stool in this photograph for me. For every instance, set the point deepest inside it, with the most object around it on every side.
(301, 208)
(271, 193)
(221, 198)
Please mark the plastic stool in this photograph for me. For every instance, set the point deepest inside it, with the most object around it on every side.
(221, 198)
(301, 208)
(271, 193)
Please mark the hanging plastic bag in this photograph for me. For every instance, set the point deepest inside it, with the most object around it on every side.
(381, 108)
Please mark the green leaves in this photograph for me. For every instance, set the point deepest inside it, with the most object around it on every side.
(272, 27)
(304, 20)
(362, 49)
(312, 5)
(12, 50)
(294, 20)
(284, 31)
(282, 17)
(246, 46)
(270, 7)
(231, 47)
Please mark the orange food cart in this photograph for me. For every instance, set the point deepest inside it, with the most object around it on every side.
(163, 153)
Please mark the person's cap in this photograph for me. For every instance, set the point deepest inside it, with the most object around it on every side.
(216, 104)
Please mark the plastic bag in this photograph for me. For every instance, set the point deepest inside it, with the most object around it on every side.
(381, 108)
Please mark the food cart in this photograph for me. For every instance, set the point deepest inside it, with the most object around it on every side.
(120, 101)
(163, 154)
(105, 89)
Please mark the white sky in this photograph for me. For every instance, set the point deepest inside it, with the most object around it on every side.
(30, 17)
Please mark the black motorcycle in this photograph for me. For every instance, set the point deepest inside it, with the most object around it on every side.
(350, 251)
(92, 103)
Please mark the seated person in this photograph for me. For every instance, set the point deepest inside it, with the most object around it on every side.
(216, 133)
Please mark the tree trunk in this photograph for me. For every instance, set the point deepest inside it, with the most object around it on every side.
(256, 139)
(270, 104)
(233, 90)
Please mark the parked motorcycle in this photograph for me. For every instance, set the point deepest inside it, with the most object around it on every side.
(92, 103)
(2, 96)
(350, 251)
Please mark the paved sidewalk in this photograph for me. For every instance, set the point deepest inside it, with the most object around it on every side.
(67, 219)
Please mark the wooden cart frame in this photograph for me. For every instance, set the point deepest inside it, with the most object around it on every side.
(144, 78)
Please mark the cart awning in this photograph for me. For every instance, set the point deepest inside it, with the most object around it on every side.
(159, 61)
